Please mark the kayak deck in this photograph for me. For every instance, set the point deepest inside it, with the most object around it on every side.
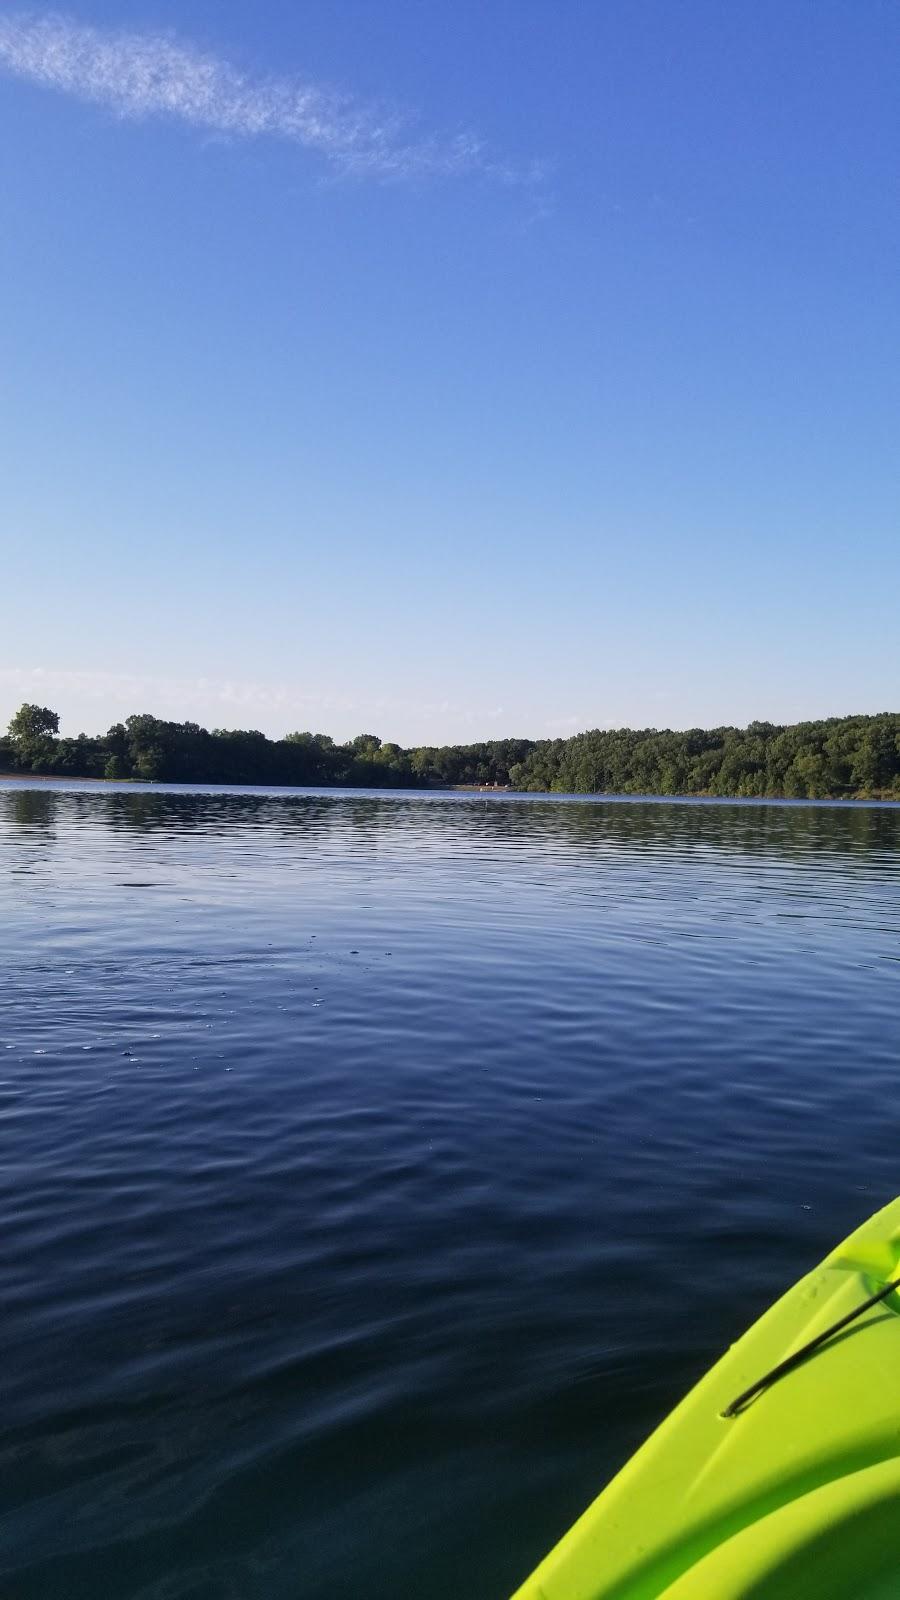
(798, 1494)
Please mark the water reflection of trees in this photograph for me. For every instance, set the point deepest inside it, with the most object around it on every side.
(33, 810)
(370, 822)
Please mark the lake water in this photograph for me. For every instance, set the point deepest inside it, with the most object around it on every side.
(377, 1170)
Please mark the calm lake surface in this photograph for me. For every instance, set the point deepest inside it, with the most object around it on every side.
(378, 1169)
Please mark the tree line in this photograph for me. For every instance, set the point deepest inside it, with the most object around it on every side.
(856, 757)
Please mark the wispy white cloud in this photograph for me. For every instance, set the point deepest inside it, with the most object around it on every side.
(174, 696)
(140, 75)
(86, 696)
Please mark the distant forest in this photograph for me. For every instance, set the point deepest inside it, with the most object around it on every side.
(857, 757)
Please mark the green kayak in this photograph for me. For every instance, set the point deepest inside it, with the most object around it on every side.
(788, 1491)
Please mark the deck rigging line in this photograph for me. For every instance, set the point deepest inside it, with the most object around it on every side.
(737, 1405)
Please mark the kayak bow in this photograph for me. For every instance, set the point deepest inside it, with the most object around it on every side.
(778, 1476)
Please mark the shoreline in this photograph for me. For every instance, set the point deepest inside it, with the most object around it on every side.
(146, 784)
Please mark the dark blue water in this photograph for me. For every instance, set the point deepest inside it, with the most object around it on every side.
(377, 1170)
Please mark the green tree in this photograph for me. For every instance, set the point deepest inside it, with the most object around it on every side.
(32, 732)
(147, 746)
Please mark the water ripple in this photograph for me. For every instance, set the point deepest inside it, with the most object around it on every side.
(379, 1168)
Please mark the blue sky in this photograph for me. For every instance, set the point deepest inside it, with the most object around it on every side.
(448, 371)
